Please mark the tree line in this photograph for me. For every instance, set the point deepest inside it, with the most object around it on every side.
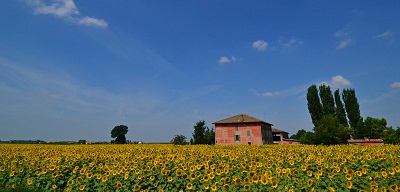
(335, 121)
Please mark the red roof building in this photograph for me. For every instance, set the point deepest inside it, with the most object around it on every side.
(365, 141)
(282, 137)
(242, 129)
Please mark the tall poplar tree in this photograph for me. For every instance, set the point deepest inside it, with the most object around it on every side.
(314, 104)
(340, 112)
(353, 111)
(328, 104)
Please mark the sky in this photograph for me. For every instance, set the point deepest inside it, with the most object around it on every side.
(72, 70)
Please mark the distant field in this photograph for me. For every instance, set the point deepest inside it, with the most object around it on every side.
(205, 168)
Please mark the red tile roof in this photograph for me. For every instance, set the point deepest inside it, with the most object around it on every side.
(241, 118)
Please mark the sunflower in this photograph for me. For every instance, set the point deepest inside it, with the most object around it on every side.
(54, 175)
(246, 187)
(348, 177)
(264, 180)
(331, 189)
(394, 187)
(214, 188)
(309, 173)
(104, 179)
(310, 182)
(11, 173)
(54, 186)
(170, 179)
(384, 174)
(189, 186)
(82, 187)
(206, 186)
(206, 178)
(192, 176)
(119, 185)
(79, 179)
(70, 182)
(152, 178)
(178, 172)
(29, 181)
(226, 187)
(161, 190)
(274, 184)
(136, 187)
(349, 184)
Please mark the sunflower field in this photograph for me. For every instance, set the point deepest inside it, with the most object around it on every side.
(199, 168)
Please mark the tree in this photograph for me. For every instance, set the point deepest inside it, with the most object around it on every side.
(300, 133)
(119, 133)
(391, 136)
(375, 127)
(199, 132)
(179, 140)
(82, 141)
(328, 104)
(340, 112)
(209, 136)
(325, 131)
(314, 104)
(308, 138)
(353, 111)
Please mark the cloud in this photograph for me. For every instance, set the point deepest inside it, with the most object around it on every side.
(337, 82)
(288, 44)
(260, 45)
(64, 9)
(395, 85)
(225, 59)
(344, 39)
(271, 94)
(384, 35)
(89, 21)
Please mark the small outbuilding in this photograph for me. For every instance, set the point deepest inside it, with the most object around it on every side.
(242, 129)
(365, 141)
(282, 138)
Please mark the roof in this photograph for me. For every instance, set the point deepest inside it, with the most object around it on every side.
(365, 140)
(241, 118)
(275, 130)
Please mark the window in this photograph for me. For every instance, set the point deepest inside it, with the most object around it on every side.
(248, 133)
(236, 128)
(237, 137)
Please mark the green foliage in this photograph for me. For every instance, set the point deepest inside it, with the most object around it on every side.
(314, 104)
(179, 140)
(392, 136)
(308, 138)
(82, 141)
(375, 127)
(199, 132)
(325, 131)
(353, 111)
(300, 133)
(119, 133)
(202, 134)
(328, 104)
(340, 112)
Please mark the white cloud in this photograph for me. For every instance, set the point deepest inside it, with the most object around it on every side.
(65, 9)
(344, 39)
(288, 44)
(344, 43)
(260, 45)
(271, 94)
(395, 85)
(60, 8)
(225, 59)
(336, 82)
(384, 35)
(89, 21)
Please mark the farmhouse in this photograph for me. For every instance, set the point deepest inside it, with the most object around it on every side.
(242, 129)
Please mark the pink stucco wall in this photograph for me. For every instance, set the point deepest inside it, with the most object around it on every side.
(225, 134)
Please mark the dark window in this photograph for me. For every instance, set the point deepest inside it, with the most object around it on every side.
(237, 137)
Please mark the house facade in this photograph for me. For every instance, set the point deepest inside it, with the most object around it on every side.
(365, 141)
(242, 129)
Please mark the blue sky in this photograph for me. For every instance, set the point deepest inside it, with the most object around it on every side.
(73, 70)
